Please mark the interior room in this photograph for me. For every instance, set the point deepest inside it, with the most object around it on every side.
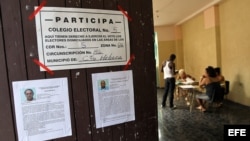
(201, 34)
(214, 34)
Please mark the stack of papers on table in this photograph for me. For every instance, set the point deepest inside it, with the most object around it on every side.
(187, 86)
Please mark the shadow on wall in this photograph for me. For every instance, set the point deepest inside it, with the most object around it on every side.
(238, 89)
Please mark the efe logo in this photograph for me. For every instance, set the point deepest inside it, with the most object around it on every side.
(241, 132)
(236, 132)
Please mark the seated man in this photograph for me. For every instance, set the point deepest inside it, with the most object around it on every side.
(219, 76)
(221, 79)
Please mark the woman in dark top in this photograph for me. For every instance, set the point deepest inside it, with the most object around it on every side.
(208, 81)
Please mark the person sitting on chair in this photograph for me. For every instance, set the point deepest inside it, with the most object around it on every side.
(206, 80)
(183, 78)
(221, 79)
(219, 76)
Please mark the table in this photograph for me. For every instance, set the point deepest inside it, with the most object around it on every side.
(180, 83)
(192, 88)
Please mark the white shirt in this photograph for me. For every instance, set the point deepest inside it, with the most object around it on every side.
(167, 71)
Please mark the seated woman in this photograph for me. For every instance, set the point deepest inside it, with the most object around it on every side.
(183, 78)
(206, 82)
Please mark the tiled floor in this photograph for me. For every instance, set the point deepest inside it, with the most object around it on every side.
(181, 125)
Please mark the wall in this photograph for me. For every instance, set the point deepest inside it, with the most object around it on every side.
(179, 47)
(199, 46)
(219, 36)
(166, 46)
(18, 46)
(235, 47)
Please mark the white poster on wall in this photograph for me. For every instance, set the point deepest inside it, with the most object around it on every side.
(42, 109)
(70, 38)
(113, 98)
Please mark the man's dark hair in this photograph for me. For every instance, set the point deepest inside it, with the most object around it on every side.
(29, 90)
(217, 70)
(172, 57)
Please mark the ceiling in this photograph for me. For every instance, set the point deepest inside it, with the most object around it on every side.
(174, 12)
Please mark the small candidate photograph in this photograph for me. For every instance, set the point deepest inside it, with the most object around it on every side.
(28, 95)
(103, 84)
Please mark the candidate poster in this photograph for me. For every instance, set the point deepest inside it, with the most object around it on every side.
(70, 38)
(42, 109)
(113, 98)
